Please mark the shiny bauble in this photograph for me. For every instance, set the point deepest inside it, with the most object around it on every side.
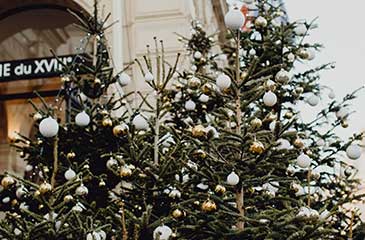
(209, 206)
(120, 130)
(199, 154)
(139, 122)
(162, 233)
(300, 29)
(20, 192)
(342, 113)
(257, 147)
(283, 144)
(313, 100)
(282, 76)
(203, 98)
(37, 116)
(331, 95)
(45, 188)
(111, 163)
(194, 82)
(198, 131)
(223, 81)
(7, 182)
(304, 161)
(82, 190)
(256, 123)
(298, 143)
(344, 123)
(148, 77)
(70, 155)
(303, 54)
(70, 174)
(260, 22)
(299, 90)
(48, 127)
(125, 171)
(234, 19)
(177, 213)
(68, 198)
(220, 189)
(82, 119)
(233, 179)
(107, 122)
(270, 99)
(198, 55)
(353, 151)
(124, 79)
(270, 85)
(288, 115)
(190, 105)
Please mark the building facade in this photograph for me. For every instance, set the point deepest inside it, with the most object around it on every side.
(32, 27)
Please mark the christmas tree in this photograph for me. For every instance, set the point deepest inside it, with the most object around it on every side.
(217, 150)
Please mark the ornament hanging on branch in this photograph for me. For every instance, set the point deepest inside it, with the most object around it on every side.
(48, 127)
(234, 19)
(82, 119)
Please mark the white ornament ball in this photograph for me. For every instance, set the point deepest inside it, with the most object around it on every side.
(283, 144)
(89, 236)
(162, 233)
(148, 77)
(82, 190)
(190, 105)
(203, 98)
(260, 22)
(300, 29)
(48, 127)
(139, 122)
(234, 19)
(270, 99)
(70, 174)
(311, 54)
(111, 163)
(194, 68)
(6, 200)
(20, 192)
(124, 79)
(353, 151)
(28, 168)
(304, 161)
(82, 119)
(282, 76)
(331, 95)
(233, 179)
(197, 55)
(223, 81)
(313, 100)
(342, 113)
(291, 57)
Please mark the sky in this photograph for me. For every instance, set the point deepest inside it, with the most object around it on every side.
(341, 31)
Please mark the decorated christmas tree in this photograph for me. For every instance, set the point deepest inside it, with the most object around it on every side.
(217, 150)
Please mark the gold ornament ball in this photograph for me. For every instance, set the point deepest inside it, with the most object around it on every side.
(209, 206)
(299, 90)
(303, 54)
(257, 147)
(45, 188)
(7, 182)
(14, 202)
(107, 122)
(68, 198)
(344, 124)
(298, 143)
(200, 154)
(71, 155)
(120, 130)
(198, 131)
(177, 213)
(207, 88)
(125, 172)
(271, 117)
(288, 115)
(37, 193)
(220, 189)
(256, 123)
